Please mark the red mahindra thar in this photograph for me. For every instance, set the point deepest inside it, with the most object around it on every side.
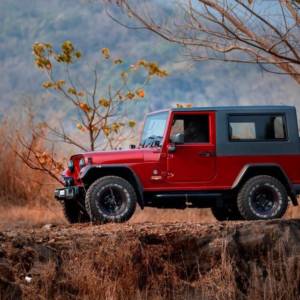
(242, 162)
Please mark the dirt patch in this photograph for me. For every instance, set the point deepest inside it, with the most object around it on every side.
(137, 261)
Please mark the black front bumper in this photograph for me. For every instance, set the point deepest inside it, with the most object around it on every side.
(67, 193)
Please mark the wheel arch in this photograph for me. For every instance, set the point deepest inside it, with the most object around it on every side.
(90, 173)
(274, 170)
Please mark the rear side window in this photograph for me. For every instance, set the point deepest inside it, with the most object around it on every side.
(258, 127)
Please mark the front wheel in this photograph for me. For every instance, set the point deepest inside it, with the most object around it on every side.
(110, 199)
(262, 197)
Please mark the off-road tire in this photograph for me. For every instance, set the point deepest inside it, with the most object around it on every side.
(248, 193)
(94, 202)
(74, 213)
(227, 213)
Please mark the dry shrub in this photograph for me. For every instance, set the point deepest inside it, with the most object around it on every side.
(277, 276)
(26, 195)
(19, 184)
(135, 272)
(219, 283)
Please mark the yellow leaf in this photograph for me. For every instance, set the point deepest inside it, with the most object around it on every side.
(124, 75)
(140, 93)
(72, 91)
(105, 53)
(131, 123)
(48, 65)
(104, 102)
(78, 54)
(47, 84)
(84, 106)
(79, 126)
(118, 61)
(115, 127)
(188, 105)
(141, 62)
(67, 46)
(130, 95)
(59, 84)
(106, 130)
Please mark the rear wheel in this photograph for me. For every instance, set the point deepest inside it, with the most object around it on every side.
(262, 197)
(110, 199)
(74, 213)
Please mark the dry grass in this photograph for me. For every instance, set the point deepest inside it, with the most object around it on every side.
(192, 215)
(30, 216)
(14, 216)
(129, 267)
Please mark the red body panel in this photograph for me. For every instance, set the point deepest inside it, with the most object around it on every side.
(188, 168)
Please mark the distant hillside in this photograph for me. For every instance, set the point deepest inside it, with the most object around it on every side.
(24, 22)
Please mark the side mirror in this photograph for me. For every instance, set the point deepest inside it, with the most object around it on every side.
(177, 138)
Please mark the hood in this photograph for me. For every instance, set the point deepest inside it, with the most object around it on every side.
(115, 156)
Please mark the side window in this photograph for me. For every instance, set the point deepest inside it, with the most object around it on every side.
(257, 127)
(194, 127)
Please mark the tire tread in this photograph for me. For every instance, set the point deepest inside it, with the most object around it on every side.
(101, 181)
(243, 195)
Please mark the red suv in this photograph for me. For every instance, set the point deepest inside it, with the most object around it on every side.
(242, 162)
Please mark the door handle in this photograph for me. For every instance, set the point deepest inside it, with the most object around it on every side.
(206, 153)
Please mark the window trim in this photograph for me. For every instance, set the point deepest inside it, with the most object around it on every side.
(283, 115)
(211, 127)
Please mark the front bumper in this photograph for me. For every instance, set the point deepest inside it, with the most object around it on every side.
(67, 193)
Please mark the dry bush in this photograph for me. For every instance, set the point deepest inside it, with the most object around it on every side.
(277, 277)
(19, 184)
(25, 194)
(138, 272)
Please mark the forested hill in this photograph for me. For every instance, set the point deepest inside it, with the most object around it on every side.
(86, 23)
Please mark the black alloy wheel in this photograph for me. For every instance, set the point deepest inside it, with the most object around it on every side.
(110, 199)
(262, 197)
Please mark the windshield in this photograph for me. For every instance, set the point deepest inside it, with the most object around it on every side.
(154, 128)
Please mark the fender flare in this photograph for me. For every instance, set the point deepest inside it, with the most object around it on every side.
(96, 170)
(242, 173)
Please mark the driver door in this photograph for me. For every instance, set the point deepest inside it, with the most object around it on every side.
(194, 161)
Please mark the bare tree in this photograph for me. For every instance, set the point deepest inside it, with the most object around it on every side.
(264, 32)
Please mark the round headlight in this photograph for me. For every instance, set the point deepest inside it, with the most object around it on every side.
(81, 163)
(71, 165)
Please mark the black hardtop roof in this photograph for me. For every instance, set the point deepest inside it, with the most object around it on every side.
(237, 109)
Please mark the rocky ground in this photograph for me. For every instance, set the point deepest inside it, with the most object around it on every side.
(174, 260)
